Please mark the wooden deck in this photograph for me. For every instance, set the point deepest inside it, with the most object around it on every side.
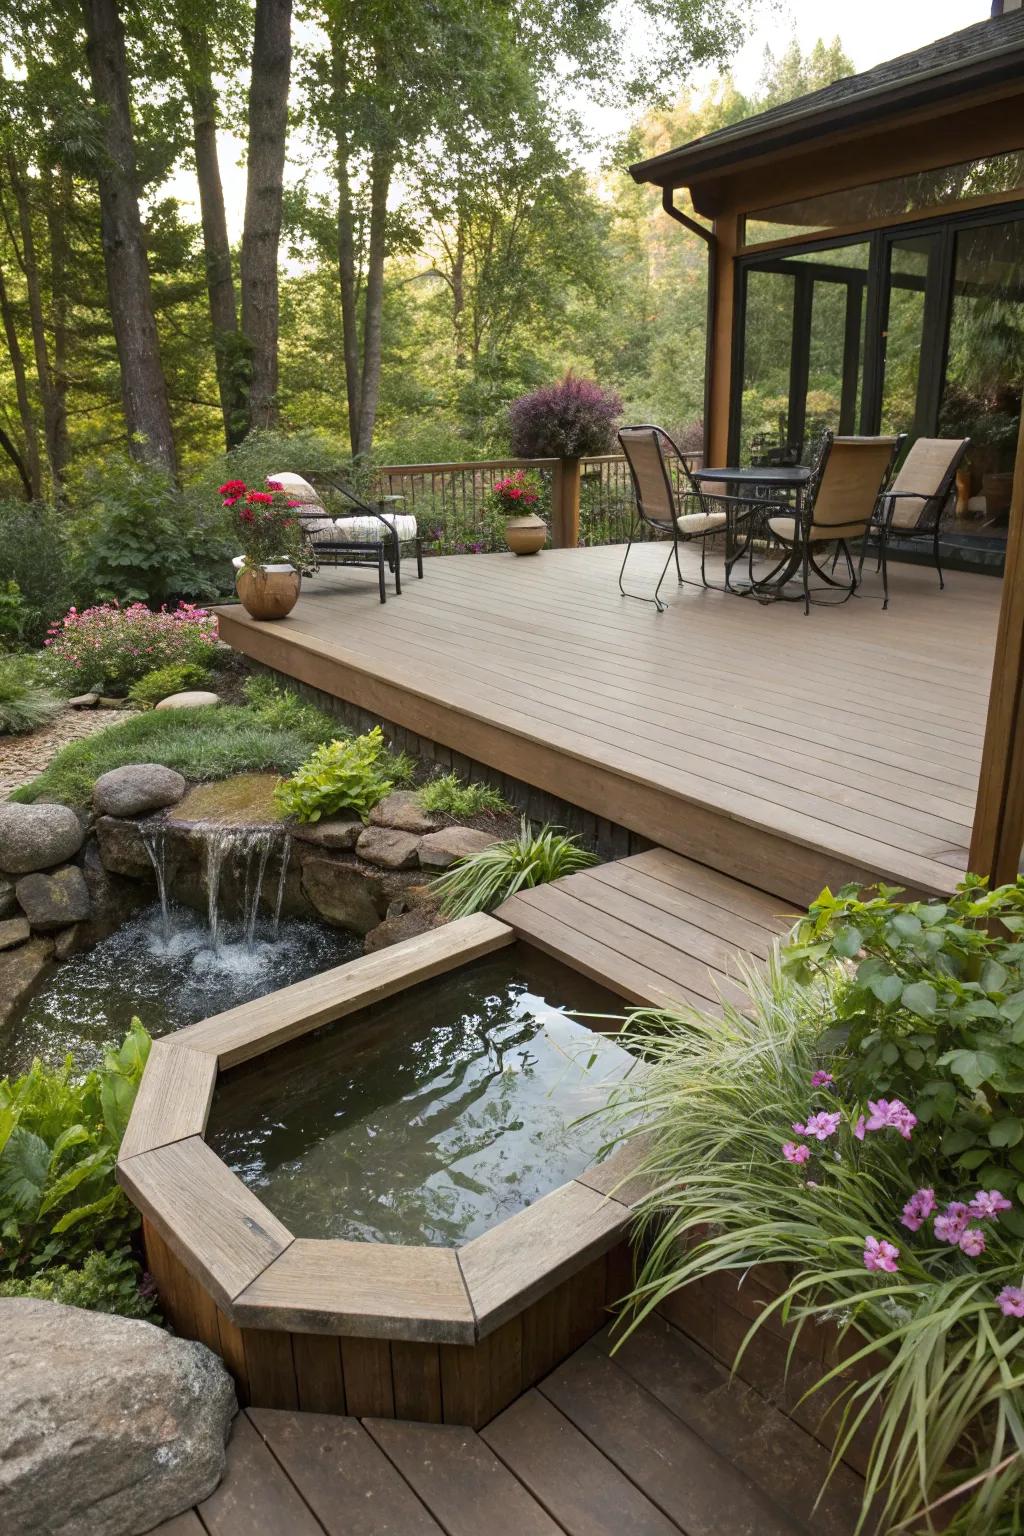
(655, 928)
(782, 749)
(654, 1441)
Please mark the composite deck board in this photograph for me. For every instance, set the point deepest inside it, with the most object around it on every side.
(653, 1440)
(852, 734)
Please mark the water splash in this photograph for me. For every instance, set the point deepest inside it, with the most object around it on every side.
(281, 877)
(246, 851)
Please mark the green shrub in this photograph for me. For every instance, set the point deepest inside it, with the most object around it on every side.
(202, 744)
(140, 539)
(163, 681)
(265, 453)
(759, 1154)
(59, 1136)
(340, 776)
(106, 1282)
(113, 647)
(282, 709)
(449, 796)
(485, 879)
(931, 1011)
(25, 700)
(34, 555)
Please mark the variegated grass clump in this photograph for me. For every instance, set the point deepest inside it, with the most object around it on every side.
(485, 879)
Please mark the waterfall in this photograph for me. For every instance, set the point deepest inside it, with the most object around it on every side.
(155, 844)
(249, 850)
(282, 873)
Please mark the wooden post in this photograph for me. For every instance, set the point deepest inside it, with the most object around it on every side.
(998, 833)
(716, 428)
(565, 504)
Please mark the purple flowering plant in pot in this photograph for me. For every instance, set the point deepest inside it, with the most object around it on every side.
(854, 1116)
(570, 420)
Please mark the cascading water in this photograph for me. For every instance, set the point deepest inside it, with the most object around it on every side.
(248, 849)
(155, 844)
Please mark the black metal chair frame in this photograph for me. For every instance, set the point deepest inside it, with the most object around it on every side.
(360, 553)
(934, 506)
(642, 516)
(803, 514)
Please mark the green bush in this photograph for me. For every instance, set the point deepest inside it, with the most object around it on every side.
(59, 1135)
(106, 1282)
(34, 554)
(25, 700)
(347, 775)
(447, 795)
(163, 681)
(111, 647)
(282, 709)
(265, 453)
(485, 879)
(202, 744)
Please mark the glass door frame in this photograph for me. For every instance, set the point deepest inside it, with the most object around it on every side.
(938, 309)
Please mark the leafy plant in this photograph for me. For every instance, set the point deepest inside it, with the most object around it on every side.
(264, 523)
(514, 494)
(106, 1282)
(926, 1302)
(25, 701)
(931, 1010)
(163, 681)
(566, 420)
(485, 879)
(34, 555)
(347, 775)
(447, 795)
(59, 1137)
(282, 709)
(113, 647)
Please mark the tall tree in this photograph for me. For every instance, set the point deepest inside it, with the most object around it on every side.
(54, 414)
(143, 389)
(25, 461)
(268, 125)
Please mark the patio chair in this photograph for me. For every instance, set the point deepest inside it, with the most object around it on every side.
(912, 507)
(684, 515)
(837, 508)
(373, 534)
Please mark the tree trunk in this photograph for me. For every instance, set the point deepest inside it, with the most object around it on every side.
(59, 204)
(11, 450)
(380, 185)
(30, 268)
(220, 284)
(348, 282)
(27, 464)
(268, 124)
(143, 387)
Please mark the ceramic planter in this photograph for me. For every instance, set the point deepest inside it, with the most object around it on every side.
(267, 591)
(526, 535)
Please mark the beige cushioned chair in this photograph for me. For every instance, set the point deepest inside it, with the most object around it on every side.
(913, 505)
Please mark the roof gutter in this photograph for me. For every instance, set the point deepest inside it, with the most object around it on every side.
(711, 241)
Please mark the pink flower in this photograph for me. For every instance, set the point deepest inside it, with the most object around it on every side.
(972, 1242)
(822, 1125)
(1010, 1301)
(952, 1224)
(894, 1114)
(793, 1153)
(880, 1255)
(987, 1204)
(858, 1129)
(274, 485)
(821, 1079)
(918, 1208)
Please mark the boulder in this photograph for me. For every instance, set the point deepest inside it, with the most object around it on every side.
(21, 970)
(8, 900)
(54, 900)
(14, 930)
(122, 849)
(345, 896)
(192, 698)
(338, 834)
(402, 810)
(388, 848)
(37, 837)
(71, 941)
(402, 925)
(84, 701)
(136, 789)
(108, 1425)
(440, 849)
(113, 898)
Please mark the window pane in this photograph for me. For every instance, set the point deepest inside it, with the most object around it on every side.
(984, 376)
(893, 198)
(766, 361)
(904, 334)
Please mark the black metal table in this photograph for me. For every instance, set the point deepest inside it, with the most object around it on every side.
(791, 478)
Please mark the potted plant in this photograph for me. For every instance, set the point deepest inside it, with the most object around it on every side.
(514, 499)
(269, 568)
(568, 421)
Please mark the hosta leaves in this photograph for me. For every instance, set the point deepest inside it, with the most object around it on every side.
(24, 1169)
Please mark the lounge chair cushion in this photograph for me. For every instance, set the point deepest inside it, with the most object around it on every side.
(369, 530)
(785, 528)
(298, 489)
(701, 522)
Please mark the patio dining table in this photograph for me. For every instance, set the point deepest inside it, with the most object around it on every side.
(767, 479)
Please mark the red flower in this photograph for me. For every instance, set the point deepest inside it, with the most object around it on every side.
(514, 493)
(229, 501)
(264, 497)
(246, 516)
(232, 488)
(274, 485)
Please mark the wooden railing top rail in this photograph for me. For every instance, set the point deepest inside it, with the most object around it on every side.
(440, 469)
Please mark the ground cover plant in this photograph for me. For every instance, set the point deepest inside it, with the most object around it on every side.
(823, 1128)
(26, 700)
(110, 648)
(485, 879)
(447, 795)
(350, 774)
(65, 1224)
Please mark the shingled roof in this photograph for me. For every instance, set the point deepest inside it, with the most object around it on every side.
(986, 53)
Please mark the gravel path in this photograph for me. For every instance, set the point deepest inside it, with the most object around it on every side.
(23, 757)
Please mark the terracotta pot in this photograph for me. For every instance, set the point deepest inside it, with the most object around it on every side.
(998, 492)
(526, 535)
(267, 591)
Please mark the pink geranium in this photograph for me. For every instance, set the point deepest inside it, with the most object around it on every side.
(918, 1208)
(880, 1255)
(886, 1113)
(821, 1126)
(794, 1152)
(972, 1242)
(987, 1205)
(821, 1079)
(1010, 1301)
(952, 1224)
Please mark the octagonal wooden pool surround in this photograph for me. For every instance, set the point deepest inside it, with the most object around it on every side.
(439, 1334)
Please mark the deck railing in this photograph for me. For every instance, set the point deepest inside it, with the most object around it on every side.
(449, 501)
